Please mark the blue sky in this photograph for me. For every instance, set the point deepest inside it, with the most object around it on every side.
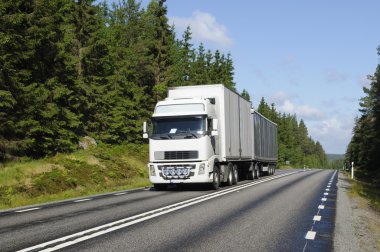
(308, 57)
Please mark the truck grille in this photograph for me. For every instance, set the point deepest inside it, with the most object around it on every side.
(174, 155)
(176, 171)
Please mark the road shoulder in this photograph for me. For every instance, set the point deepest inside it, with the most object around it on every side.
(357, 226)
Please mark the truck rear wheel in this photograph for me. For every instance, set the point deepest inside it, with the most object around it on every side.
(257, 171)
(251, 173)
(235, 175)
(230, 178)
(215, 178)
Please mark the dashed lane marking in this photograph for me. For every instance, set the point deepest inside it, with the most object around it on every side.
(122, 193)
(27, 210)
(81, 200)
(310, 235)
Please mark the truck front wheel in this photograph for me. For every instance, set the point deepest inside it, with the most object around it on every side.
(216, 178)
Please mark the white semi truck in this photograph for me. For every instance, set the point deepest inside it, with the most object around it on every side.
(208, 134)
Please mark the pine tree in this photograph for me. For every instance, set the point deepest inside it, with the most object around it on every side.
(199, 67)
(246, 95)
(159, 41)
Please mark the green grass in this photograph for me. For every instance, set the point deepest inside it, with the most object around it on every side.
(85, 172)
(365, 190)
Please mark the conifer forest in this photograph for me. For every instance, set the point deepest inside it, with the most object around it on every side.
(70, 69)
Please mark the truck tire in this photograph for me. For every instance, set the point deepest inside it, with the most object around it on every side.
(160, 187)
(215, 178)
(230, 178)
(235, 175)
(251, 173)
(257, 171)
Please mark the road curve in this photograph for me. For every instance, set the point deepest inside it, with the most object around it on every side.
(275, 213)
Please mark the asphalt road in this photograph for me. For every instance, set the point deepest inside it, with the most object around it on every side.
(293, 210)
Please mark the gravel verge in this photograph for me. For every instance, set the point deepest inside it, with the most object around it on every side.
(357, 226)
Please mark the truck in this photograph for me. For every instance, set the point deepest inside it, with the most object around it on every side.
(208, 134)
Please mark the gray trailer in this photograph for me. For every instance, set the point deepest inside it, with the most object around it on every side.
(265, 150)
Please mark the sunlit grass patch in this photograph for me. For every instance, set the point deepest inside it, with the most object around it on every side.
(85, 172)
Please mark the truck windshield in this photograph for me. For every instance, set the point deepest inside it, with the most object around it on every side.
(178, 127)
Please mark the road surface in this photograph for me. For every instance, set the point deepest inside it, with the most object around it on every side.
(293, 210)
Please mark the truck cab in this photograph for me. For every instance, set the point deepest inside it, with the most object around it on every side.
(182, 141)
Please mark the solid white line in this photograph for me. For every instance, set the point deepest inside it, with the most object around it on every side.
(81, 200)
(317, 218)
(121, 193)
(27, 210)
(321, 207)
(310, 235)
(141, 217)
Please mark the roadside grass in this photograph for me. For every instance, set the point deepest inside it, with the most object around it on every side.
(367, 191)
(84, 172)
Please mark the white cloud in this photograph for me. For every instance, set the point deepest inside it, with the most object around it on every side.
(332, 130)
(204, 27)
(285, 104)
(333, 133)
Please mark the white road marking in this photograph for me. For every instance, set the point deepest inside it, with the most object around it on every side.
(104, 229)
(81, 200)
(27, 210)
(310, 235)
(147, 189)
(121, 193)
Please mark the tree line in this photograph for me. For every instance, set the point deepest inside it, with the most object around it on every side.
(75, 68)
(364, 147)
(295, 146)
(70, 69)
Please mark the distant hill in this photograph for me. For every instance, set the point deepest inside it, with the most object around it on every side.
(332, 157)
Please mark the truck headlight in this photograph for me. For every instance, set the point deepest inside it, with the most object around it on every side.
(152, 171)
(202, 169)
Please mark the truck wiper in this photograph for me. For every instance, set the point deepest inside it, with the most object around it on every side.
(167, 136)
(191, 135)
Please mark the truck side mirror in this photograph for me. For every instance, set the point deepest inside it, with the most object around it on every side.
(145, 134)
(214, 131)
